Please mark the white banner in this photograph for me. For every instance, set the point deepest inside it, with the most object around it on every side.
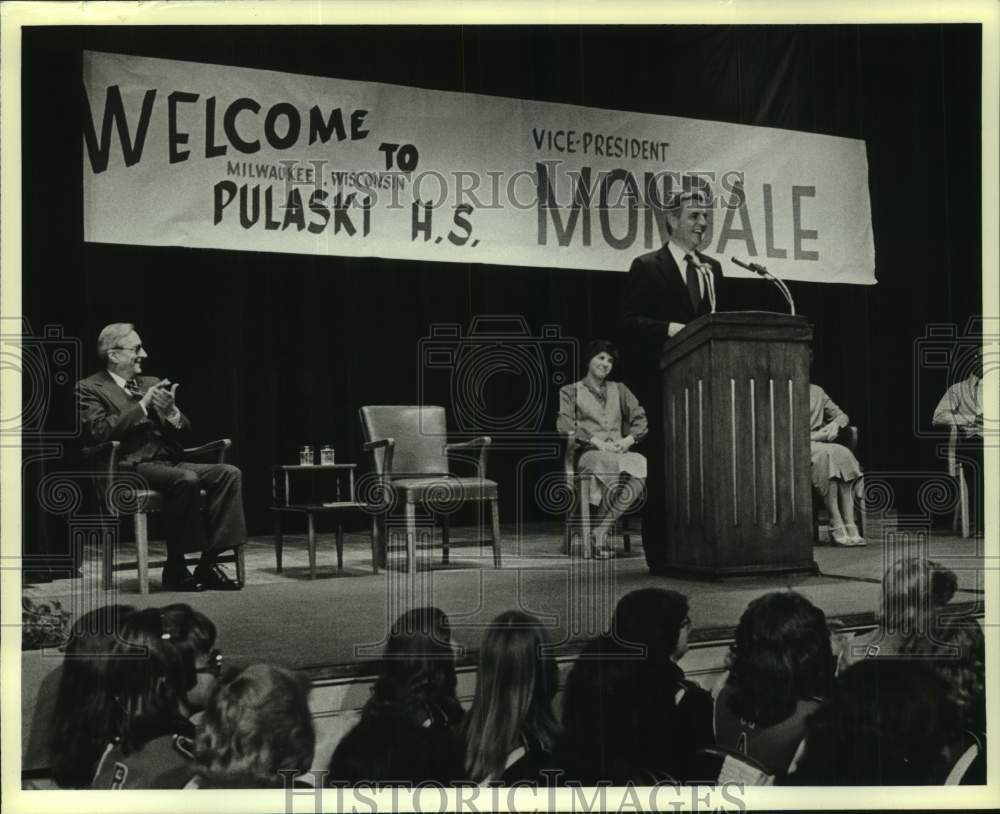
(209, 156)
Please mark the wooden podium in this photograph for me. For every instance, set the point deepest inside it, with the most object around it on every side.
(736, 434)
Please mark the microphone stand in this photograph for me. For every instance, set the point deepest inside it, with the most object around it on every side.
(763, 272)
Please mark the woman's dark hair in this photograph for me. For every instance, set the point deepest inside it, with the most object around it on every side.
(782, 654)
(148, 678)
(596, 346)
(84, 707)
(418, 668)
(652, 617)
(191, 632)
(887, 722)
(257, 724)
(955, 649)
(618, 717)
(515, 685)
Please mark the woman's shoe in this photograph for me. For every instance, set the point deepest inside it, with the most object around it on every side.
(854, 534)
(839, 536)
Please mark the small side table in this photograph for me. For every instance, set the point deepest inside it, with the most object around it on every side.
(344, 500)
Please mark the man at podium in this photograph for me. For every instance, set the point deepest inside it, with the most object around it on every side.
(665, 290)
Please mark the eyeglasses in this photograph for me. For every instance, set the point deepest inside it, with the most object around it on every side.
(134, 348)
(214, 666)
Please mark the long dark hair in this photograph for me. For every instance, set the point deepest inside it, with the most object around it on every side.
(782, 653)
(84, 709)
(417, 676)
(191, 632)
(148, 679)
(515, 685)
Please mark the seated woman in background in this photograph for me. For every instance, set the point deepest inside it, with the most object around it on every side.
(781, 667)
(606, 421)
(657, 620)
(154, 666)
(887, 722)
(835, 470)
(84, 704)
(510, 730)
(257, 731)
(410, 728)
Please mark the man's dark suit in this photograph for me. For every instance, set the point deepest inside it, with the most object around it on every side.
(151, 446)
(655, 295)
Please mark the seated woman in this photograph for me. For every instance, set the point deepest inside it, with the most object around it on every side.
(154, 665)
(257, 731)
(781, 667)
(606, 421)
(835, 470)
(83, 710)
(409, 730)
(511, 729)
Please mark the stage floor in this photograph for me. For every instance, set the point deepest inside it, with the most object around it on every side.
(334, 624)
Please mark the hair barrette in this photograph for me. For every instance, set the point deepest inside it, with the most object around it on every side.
(165, 636)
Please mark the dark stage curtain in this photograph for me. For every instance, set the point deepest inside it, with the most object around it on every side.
(277, 350)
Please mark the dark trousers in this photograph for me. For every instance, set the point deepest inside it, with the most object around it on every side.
(969, 453)
(181, 484)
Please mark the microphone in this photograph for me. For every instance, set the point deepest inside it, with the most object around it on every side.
(750, 266)
(763, 272)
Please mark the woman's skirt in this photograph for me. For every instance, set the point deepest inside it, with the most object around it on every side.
(832, 461)
(606, 469)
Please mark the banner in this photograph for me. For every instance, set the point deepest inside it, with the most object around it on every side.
(208, 156)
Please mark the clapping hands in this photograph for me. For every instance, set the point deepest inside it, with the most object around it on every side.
(162, 397)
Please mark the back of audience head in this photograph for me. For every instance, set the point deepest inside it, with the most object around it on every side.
(887, 722)
(515, 685)
(84, 707)
(193, 635)
(418, 668)
(955, 649)
(781, 654)
(914, 589)
(656, 619)
(257, 725)
(150, 678)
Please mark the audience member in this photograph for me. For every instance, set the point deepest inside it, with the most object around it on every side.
(409, 730)
(887, 722)
(150, 676)
(511, 729)
(257, 731)
(914, 592)
(606, 421)
(658, 620)
(836, 472)
(84, 705)
(781, 667)
(628, 714)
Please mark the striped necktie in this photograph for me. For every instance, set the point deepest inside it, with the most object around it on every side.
(133, 389)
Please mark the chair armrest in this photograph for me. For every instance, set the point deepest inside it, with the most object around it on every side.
(389, 445)
(104, 457)
(482, 443)
(848, 437)
(568, 441)
(221, 446)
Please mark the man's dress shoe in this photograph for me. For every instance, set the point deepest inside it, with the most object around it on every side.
(181, 581)
(215, 579)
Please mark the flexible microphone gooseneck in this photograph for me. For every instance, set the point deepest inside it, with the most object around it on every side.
(763, 272)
